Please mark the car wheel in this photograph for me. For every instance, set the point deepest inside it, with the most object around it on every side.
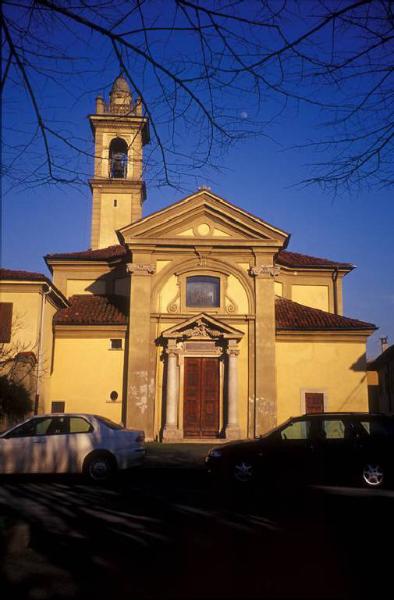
(243, 472)
(100, 467)
(373, 474)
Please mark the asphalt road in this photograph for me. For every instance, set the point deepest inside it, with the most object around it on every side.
(167, 533)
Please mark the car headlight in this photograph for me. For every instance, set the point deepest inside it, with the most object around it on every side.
(215, 453)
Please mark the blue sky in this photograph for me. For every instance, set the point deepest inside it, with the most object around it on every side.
(259, 174)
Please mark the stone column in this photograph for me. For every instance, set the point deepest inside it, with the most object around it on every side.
(171, 431)
(265, 365)
(232, 430)
(140, 378)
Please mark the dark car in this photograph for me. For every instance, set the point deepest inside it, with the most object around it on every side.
(336, 448)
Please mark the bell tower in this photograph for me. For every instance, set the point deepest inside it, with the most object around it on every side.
(120, 132)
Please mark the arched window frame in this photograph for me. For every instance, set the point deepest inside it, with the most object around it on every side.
(122, 150)
(202, 273)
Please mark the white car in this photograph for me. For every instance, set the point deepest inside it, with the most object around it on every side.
(70, 443)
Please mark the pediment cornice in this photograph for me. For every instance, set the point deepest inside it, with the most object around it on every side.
(203, 217)
(202, 326)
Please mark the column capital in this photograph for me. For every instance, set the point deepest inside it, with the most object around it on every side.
(171, 351)
(264, 271)
(232, 351)
(141, 269)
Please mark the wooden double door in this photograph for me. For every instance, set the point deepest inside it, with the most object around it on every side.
(201, 397)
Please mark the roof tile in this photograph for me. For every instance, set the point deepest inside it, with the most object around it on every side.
(12, 275)
(117, 251)
(113, 310)
(295, 259)
(86, 309)
(293, 316)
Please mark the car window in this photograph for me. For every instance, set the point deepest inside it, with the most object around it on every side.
(109, 423)
(377, 428)
(298, 430)
(334, 429)
(42, 426)
(32, 427)
(79, 425)
(57, 426)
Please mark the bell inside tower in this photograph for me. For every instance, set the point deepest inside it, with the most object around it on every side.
(118, 159)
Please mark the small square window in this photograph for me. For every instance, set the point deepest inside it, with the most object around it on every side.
(58, 407)
(116, 344)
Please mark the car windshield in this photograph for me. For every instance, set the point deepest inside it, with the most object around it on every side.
(275, 429)
(5, 432)
(109, 423)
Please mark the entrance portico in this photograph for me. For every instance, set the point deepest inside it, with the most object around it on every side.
(201, 376)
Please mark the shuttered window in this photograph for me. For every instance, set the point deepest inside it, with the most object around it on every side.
(5, 322)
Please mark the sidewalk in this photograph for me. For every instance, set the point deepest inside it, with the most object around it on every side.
(173, 456)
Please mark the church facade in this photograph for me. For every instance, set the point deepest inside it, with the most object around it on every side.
(194, 322)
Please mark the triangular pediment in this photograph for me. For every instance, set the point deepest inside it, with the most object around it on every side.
(203, 217)
(202, 326)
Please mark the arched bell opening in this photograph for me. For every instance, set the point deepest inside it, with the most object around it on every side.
(118, 158)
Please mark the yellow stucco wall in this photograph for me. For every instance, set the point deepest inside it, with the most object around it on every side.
(26, 323)
(85, 372)
(315, 296)
(84, 286)
(278, 288)
(113, 217)
(335, 368)
(25, 316)
(167, 294)
(237, 294)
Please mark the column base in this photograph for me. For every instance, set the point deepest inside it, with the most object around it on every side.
(172, 434)
(232, 432)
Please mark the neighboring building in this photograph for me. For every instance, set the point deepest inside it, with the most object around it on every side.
(383, 370)
(28, 303)
(194, 321)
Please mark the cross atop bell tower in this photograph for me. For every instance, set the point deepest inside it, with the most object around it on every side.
(120, 131)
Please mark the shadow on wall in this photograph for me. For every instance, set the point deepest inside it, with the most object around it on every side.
(115, 283)
(360, 366)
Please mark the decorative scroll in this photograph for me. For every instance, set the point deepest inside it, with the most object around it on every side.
(173, 306)
(265, 271)
(141, 269)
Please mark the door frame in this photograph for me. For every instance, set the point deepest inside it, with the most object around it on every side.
(219, 407)
(218, 354)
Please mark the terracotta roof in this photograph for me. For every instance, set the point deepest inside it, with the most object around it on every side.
(113, 310)
(293, 316)
(11, 275)
(285, 258)
(295, 259)
(117, 251)
(87, 309)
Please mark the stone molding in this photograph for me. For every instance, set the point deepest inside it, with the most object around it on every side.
(141, 269)
(264, 271)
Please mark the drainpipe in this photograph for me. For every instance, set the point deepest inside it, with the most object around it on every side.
(40, 345)
(334, 279)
